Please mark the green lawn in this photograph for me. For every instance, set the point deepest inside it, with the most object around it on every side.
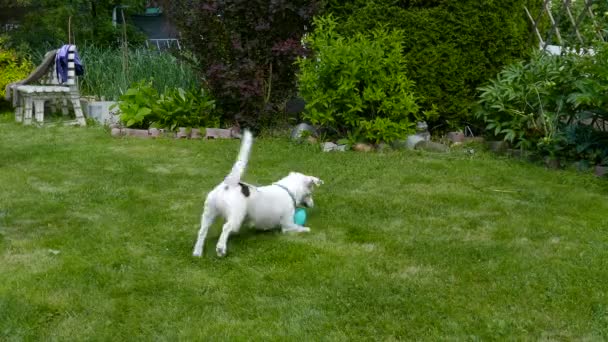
(96, 235)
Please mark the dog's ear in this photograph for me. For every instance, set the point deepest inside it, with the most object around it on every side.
(314, 181)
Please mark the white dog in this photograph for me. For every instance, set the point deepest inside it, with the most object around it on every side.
(263, 207)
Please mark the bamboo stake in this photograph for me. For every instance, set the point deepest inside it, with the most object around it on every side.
(592, 16)
(70, 30)
(535, 27)
(553, 25)
(574, 23)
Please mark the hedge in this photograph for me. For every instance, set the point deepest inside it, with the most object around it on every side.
(451, 47)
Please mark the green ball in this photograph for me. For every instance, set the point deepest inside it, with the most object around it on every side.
(299, 217)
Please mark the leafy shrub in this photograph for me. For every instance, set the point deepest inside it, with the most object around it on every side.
(452, 47)
(12, 68)
(142, 107)
(180, 108)
(136, 105)
(521, 104)
(550, 104)
(358, 83)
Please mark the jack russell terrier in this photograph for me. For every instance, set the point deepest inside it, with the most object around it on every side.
(263, 207)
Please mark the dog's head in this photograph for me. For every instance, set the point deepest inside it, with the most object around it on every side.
(302, 186)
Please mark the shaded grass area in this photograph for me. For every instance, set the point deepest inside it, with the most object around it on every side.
(96, 237)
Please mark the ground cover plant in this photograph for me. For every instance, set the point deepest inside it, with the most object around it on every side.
(96, 235)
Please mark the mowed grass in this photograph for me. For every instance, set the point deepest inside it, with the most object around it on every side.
(96, 235)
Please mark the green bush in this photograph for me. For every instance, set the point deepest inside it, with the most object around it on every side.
(181, 108)
(451, 47)
(358, 83)
(136, 105)
(12, 68)
(550, 105)
(521, 104)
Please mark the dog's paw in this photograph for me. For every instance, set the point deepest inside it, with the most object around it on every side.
(304, 230)
(221, 251)
(197, 253)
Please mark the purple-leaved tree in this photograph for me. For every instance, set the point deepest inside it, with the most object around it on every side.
(247, 50)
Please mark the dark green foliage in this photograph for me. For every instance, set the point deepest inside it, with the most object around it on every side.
(522, 105)
(48, 23)
(582, 142)
(358, 84)
(451, 47)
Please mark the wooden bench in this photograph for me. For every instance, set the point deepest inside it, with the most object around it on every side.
(44, 84)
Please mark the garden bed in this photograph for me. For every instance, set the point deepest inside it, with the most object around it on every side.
(182, 133)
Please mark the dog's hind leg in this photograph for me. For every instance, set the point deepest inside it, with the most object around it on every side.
(209, 215)
(288, 226)
(233, 223)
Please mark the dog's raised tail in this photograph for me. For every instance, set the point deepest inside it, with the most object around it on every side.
(234, 177)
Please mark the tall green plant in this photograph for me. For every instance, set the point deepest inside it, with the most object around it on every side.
(104, 76)
(358, 83)
(590, 94)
